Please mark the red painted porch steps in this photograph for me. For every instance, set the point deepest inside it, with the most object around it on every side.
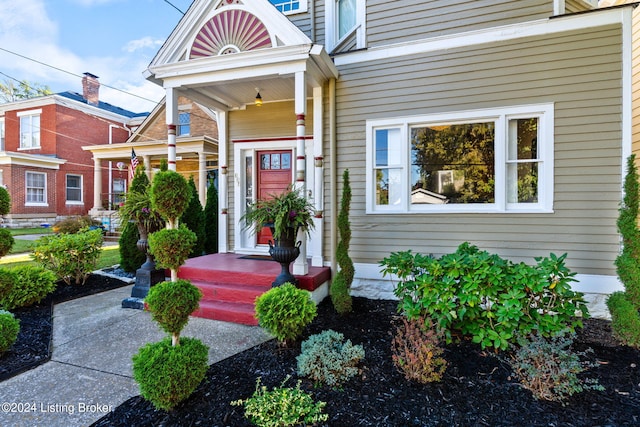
(230, 284)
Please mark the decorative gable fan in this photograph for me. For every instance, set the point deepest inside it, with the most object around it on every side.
(230, 31)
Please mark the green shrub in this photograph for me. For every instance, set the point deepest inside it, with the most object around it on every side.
(481, 295)
(171, 247)
(341, 284)
(7, 281)
(327, 358)
(549, 369)
(32, 284)
(193, 219)
(72, 225)
(170, 195)
(171, 303)
(416, 351)
(9, 329)
(131, 258)
(282, 407)
(5, 201)
(284, 312)
(211, 221)
(625, 320)
(6, 241)
(72, 257)
(168, 374)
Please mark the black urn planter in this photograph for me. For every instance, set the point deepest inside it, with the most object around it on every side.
(146, 276)
(285, 250)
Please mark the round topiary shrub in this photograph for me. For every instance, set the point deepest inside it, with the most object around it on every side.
(9, 328)
(170, 195)
(284, 312)
(171, 303)
(171, 247)
(6, 241)
(168, 374)
(32, 284)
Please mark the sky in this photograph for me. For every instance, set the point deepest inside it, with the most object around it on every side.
(112, 39)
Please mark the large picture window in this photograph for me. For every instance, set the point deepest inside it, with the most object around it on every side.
(29, 130)
(489, 160)
(36, 184)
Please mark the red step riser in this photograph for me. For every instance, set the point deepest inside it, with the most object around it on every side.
(236, 278)
(238, 314)
(229, 293)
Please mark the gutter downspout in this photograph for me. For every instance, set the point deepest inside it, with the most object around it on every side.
(333, 189)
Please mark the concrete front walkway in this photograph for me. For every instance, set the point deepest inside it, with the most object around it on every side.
(90, 371)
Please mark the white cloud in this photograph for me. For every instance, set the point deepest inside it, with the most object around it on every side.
(143, 43)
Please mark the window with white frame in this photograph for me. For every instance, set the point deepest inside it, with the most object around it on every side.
(184, 124)
(497, 160)
(290, 6)
(344, 18)
(74, 188)
(29, 129)
(36, 183)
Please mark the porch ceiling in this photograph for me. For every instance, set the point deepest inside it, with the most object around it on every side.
(229, 82)
(186, 148)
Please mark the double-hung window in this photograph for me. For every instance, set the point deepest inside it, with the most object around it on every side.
(74, 189)
(29, 129)
(497, 160)
(344, 19)
(36, 183)
(290, 6)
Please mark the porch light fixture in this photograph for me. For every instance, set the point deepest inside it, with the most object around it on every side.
(258, 101)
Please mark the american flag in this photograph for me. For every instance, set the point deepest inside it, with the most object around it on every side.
(134, 163)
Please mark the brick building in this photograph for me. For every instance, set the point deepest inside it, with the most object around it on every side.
(42, 164)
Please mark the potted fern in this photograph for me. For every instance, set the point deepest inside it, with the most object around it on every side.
(285, 214)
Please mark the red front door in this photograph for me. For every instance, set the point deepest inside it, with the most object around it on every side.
(274, 176)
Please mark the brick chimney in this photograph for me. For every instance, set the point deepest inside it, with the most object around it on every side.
(90, 88)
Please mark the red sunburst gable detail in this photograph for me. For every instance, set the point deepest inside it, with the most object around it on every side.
(230, 31)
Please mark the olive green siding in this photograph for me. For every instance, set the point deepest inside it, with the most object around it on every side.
(580, 72)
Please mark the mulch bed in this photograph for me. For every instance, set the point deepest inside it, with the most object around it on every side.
(478, 388)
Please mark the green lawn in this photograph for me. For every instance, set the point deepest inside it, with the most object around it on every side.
(110, 256)
(23, 231)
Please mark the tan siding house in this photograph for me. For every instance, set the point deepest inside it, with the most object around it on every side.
(540, 90)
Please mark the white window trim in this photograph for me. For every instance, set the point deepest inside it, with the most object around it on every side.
(545, 112)
(66, 187)
(21, 114)
(331, 26)
(302, 9)
(3, 134)
(46, 185)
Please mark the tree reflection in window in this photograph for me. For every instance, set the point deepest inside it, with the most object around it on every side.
(455, 161)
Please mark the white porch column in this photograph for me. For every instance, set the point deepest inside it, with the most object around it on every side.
(172, 120)
(146, 159)
(97, 184)
(202, 178)
(317, 238)
(301, 265)
(223, 184)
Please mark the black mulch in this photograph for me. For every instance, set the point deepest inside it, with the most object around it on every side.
(478, 388)
(33, 346)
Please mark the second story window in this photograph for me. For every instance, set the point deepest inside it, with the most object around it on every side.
(345, 24)
(29, 129)
(290, 6)
(184, 124)
(346, 17)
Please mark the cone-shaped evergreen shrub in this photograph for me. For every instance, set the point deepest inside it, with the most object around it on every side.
(131, 258)
(341, 284)
(193, 219)
(170, 195)
(211, 221)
